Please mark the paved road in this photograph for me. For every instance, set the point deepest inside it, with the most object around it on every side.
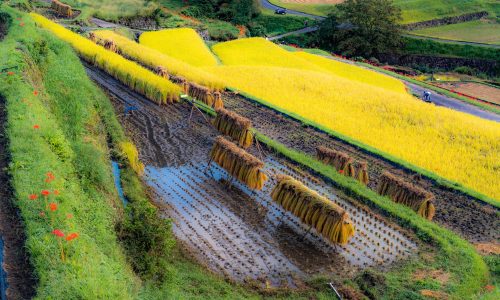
(451, 41)
(269, 5)
(455, 104)
(300, 31)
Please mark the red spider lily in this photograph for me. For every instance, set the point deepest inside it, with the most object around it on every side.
(22, 24)
(42, 214)
(72, 236)
(50, 175)
(33, 196)
(53, 206)
(45, 192)
(58, 233)
(341, 171)
(10, 73)
(489, 288)
(69, 216)
(56, 192)
(36, 126)
(35, 93)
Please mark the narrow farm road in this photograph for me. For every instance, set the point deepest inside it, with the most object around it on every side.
(300, 31)
(269, 5)
(455, 104)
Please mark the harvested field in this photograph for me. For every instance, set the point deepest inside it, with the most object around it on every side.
(478, 90)
(236, 231)
(473, 220)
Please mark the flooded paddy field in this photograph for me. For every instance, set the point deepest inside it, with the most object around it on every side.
(234, 231)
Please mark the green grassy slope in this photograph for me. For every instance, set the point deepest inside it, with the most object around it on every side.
(487, 32)
(413, 11)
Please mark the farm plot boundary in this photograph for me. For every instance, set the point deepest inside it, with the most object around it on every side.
(455, 255)
(467, 261)
(373, 151)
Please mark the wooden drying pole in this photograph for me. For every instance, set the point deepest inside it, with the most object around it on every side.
(193, 107)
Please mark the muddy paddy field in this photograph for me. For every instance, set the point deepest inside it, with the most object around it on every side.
(472, 219)
(231, 229)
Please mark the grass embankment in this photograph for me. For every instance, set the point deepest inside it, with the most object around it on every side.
(454, 255)
(479, 31)
(112, 10)
(430, 47)
(75, 121)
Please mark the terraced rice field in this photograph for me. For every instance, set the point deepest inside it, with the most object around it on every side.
(239, 232)
(382, 117)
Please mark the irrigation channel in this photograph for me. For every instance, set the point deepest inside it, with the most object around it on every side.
(474, 220)
(235, 231)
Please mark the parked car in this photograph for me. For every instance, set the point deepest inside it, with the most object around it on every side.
(280, 11)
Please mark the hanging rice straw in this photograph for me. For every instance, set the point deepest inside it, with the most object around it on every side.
(341, 161)
(162, 72)
(406, 193)
(329, 219)
(205, 95)
(237, 127)
(363, 173)
(239, 163)
(62, 9)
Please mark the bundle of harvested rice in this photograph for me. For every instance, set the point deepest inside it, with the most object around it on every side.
(62, 9)
(239, 163)
(329, 219)
(92, 37)
(363, 173)
(182, 82)
(406, 193)
(341, 161)
(205, 95)
(162, 72)
(110, 45)
(237, 127)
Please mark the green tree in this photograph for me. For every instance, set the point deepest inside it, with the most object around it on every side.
(362, 28)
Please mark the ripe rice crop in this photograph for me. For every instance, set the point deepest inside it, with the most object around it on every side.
(181, 43)
(239, 163)
(452, 144)
(237, 127)
(329, 219)
(131, 74)
(405, 193)
(130, 152)
(260, 52)
(154, 59)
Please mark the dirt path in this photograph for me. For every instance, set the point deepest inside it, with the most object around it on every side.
(474, 221)
(20, 278)
(235, 231)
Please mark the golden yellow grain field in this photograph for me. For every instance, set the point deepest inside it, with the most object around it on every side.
(182, 43)
(153, 59)
(454, 145)
(260, 52)
(136, 77)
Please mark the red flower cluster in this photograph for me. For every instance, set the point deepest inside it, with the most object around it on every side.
(50, 177)
(72, 236)
(33, 196)
(36, 126)
(341, 171)
(10, 73)
(53, 206)
(45, 193)
(58, 233)
(35, 92)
